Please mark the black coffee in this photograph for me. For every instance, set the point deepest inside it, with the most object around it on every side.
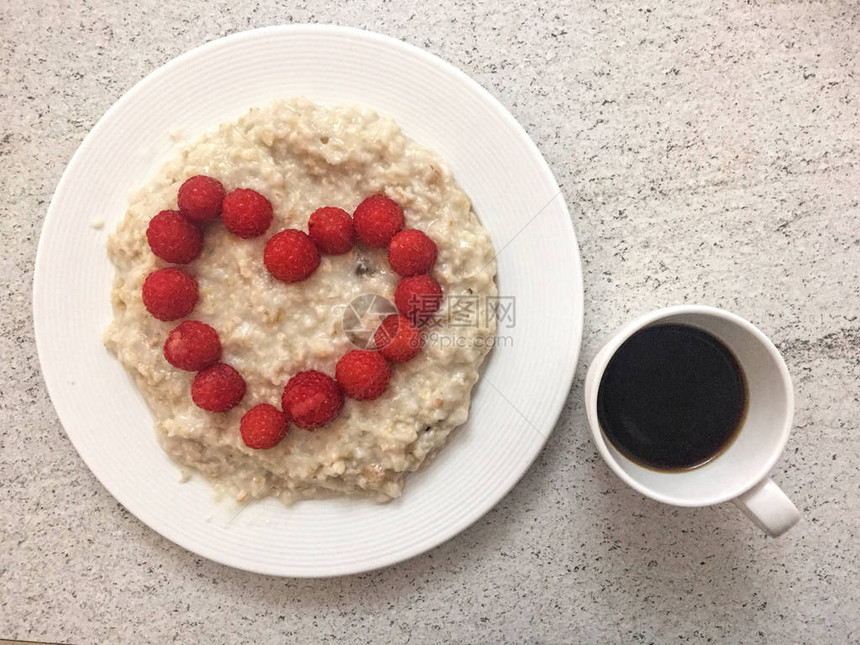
(672, 397)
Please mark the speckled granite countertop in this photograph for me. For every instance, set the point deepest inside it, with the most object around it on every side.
(709, 153)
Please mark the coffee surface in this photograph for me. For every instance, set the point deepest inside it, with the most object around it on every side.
(672, 398)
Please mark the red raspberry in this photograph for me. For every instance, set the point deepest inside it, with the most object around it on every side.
(291, 255)
(376, 220)
(200, 198)
(418, 297)
(311, 399)
(263, 426)
(173, 238)
(331, 230)
(411, 252)
(192, 345)
(169, 294)
(246, 213)
(397, 339)
(362, 374)
(217, 388)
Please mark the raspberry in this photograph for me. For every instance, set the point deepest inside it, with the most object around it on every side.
(397, 339)
(192, 345)
(376, 220)
(411, 252)
(246, 213)
(362, 374)
(418, 297)
(200, 198)
(263, 426)
(291, 255)
(331, 230)
(217, 388)
(311, 399)
(169, 294)
(173, 238)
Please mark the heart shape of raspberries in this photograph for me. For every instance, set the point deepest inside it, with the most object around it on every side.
(311, 398)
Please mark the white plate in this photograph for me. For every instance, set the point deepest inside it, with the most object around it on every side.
(515, 405)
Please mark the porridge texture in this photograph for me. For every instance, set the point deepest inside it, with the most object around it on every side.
(302, 156)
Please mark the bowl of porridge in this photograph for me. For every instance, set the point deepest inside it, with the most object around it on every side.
(353, 114)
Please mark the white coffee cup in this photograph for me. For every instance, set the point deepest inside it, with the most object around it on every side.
(740, 472)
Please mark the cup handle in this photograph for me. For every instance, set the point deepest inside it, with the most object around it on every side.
(769, 508)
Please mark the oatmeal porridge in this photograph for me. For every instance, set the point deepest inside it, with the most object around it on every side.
(302, 156)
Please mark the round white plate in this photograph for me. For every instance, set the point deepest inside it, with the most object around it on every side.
(516, 403)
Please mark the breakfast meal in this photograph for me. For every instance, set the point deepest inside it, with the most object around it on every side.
(239, 271)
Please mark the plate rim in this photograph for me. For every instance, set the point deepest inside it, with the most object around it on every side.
(396, 46)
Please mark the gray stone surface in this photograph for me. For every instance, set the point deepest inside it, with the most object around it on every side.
(709, 153)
